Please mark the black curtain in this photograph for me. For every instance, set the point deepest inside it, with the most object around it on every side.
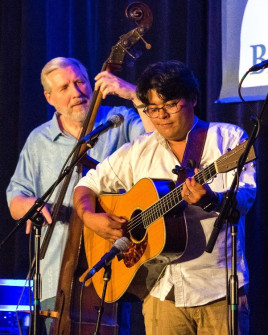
(32, 32)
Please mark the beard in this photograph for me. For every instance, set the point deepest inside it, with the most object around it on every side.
(76, 113)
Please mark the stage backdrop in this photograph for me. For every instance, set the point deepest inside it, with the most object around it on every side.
(32, 32)
(244, 43)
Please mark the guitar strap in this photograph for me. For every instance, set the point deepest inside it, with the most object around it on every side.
(176, 234)
(193, 151)
(191, 160)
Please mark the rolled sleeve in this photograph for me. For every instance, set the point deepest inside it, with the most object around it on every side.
(21, 182)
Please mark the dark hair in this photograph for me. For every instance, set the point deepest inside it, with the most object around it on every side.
(171, 80)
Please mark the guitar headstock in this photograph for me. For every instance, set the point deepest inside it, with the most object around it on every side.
(229, 161)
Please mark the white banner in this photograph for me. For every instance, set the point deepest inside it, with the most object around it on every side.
(244, 43)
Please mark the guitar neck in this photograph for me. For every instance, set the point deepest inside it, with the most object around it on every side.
(225, 163)
(174, 198)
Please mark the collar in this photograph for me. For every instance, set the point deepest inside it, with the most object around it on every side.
(55, 130)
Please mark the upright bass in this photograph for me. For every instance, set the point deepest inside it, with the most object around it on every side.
(66, 317)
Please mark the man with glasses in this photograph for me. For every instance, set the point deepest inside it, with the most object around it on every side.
(190, 295)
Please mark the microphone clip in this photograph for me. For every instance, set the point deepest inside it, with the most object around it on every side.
(92, 142)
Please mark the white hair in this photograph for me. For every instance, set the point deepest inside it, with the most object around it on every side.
(59, 63)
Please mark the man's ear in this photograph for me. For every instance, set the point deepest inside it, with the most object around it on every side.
(48, 97)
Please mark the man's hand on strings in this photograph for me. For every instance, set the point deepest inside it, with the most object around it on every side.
(195, 193)
(107, 226)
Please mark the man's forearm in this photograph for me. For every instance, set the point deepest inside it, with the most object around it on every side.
(20, 205)
(84, 201)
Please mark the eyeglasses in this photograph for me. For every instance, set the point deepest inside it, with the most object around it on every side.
(170, 108)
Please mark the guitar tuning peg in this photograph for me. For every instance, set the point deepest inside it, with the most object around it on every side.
(252, 164)
(121, 45)
(244, 168)
(148, 46)
(229, 149)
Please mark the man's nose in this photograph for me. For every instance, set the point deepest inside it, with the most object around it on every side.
(75, 90)
(162, 114)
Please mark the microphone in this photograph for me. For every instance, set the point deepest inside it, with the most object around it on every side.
(259, 66)
(120, 245)
(114, 122)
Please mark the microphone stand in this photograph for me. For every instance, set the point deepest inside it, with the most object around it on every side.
(229, 213)
(37, 220)
(34, 214)
(106, 278)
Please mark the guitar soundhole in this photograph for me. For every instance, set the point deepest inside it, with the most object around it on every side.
(139, 241)
(137, 231)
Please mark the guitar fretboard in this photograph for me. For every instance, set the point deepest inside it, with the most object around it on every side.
(168, 201)
(225, 163)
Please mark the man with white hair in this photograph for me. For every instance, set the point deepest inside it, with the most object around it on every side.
(67, 88)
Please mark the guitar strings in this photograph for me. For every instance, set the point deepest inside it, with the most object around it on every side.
(167, 202)
(159, 208)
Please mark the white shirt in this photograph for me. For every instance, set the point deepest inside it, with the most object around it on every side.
(198, 277)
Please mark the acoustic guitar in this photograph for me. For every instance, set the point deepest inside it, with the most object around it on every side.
(145, 206)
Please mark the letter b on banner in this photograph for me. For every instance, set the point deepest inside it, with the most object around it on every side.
(258, 53)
